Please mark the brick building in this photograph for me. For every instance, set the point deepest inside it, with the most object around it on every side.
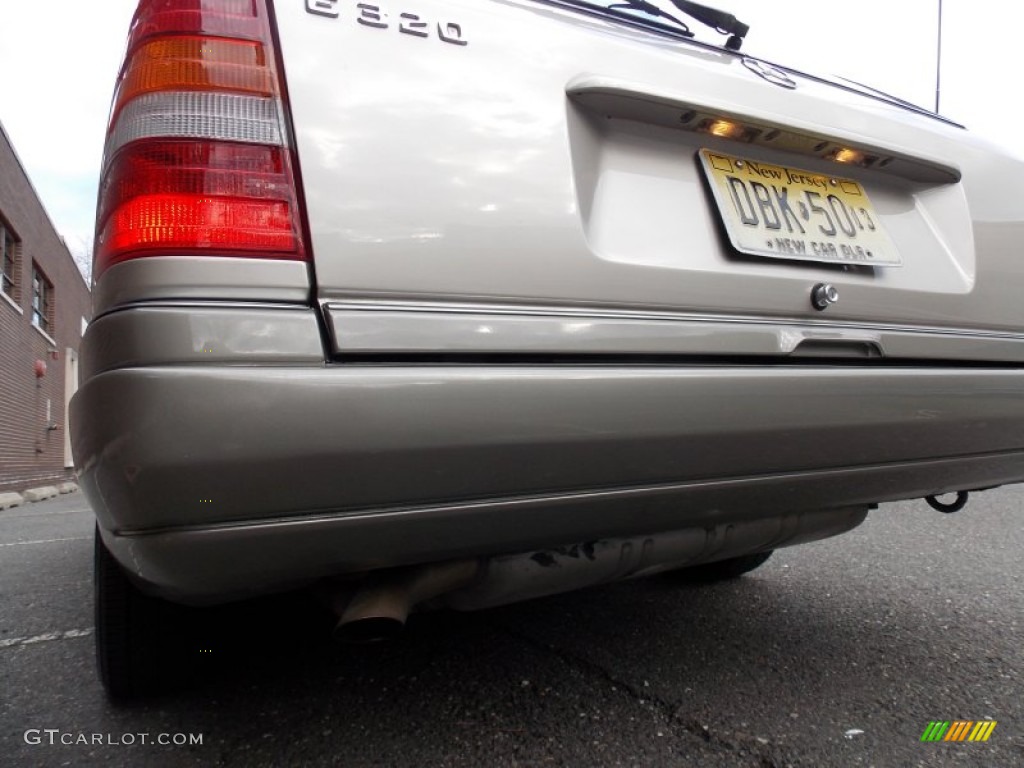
(44, 305)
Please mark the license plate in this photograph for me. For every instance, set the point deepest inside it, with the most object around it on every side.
(789, 213)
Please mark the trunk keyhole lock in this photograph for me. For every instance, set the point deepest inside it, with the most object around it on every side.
(823, 295)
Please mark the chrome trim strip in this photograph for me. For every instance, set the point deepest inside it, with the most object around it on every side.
(652, 314)
(406, 328)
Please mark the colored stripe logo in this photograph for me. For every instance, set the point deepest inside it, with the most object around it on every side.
(958, 730)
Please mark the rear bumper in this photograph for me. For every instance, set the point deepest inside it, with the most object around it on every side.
(213, 481)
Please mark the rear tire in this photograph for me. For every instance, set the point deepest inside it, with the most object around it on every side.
(138, 648)
(723, 570)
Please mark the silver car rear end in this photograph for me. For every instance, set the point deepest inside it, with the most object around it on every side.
(520, 322)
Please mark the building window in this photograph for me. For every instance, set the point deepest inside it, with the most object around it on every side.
(10, 248)
(42, 301)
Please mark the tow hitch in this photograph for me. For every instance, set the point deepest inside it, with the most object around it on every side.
(954, 506)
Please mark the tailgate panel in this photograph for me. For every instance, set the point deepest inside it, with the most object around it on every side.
(528, 167)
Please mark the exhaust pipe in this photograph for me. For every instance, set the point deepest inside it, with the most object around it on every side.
(380, 607)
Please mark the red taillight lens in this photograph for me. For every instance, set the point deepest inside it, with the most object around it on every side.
(180, 223)
(196, 160)
(182, 197)
(236, 19)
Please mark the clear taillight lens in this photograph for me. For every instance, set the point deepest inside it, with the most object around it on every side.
(196, 158)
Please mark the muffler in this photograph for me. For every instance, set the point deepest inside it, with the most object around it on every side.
(383, 600)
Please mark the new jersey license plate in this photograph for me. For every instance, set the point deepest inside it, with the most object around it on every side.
(789, 213)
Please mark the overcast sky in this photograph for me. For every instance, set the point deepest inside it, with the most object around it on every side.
(58, 61)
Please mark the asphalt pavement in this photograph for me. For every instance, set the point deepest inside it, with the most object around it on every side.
(837, 653)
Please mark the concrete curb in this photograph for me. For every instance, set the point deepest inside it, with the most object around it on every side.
(40, 494)
(8, 500)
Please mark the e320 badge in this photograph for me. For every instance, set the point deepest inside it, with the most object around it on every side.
(376, 16)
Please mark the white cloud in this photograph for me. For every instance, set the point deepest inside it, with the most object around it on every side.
(59, 62)
(892, 45)
(887, 44)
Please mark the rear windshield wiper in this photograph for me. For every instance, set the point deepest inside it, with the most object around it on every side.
(651, 9)
(722, 22)
(649, 13)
